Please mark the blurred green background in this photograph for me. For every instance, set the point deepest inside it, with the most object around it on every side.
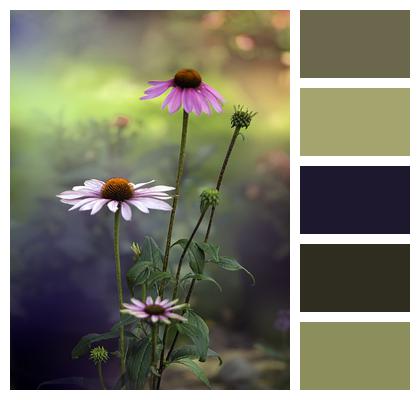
(75, 114)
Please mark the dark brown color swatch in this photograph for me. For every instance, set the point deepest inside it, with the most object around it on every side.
(355, 277)
(355, 44)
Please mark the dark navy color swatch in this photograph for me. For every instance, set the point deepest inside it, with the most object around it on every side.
(354, 200)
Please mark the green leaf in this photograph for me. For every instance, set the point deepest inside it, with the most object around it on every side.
(201, 277)
(151, 252)
(190, 351)
(158, 276)
(139, 358)
(211, 251)
(195, 369)
(83, 346)
(138, 274)
(85, 342)
(197, 330)
(231, 264)
(195, 254)
(125, 320)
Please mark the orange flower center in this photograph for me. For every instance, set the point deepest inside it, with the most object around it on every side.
(187, 78)
(154, 309)
(118, 189)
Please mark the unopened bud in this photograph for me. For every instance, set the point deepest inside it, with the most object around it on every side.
(241, 118)
(209, 198)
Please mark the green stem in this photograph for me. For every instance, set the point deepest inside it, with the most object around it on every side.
(184, 252)
(218, 185)
(175, 291)
(101, 377)
(143, 292)
(119, 284)
(154, 334)
(177, 193)
(220, 177)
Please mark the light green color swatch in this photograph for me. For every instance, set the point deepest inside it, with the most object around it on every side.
(355, 122)
(355, 355)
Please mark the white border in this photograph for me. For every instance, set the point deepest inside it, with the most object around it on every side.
(294, 6)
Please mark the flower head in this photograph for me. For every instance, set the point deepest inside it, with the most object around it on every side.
(209, 198)
(188, 90)
(117, 193)
(241, 118)
(99, 355)
(154, 310)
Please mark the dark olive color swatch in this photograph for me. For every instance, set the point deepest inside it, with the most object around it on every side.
(355, 44)
(355, 356)
(362, 200)
(355, 277)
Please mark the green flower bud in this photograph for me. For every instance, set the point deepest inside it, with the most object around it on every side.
(209, 198)
(135, 248)
(241, 118)
(99, 355)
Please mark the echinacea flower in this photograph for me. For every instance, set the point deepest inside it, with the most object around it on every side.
(188, 91)
(154, 310)
(117, 193)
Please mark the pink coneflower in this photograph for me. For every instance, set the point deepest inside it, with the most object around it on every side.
(188, 91)
(117, 193)
(154, 310)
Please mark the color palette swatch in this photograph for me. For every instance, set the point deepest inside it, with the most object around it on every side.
(355, 200)
(355, 122)
(350, 197)
(355, 277)
(355, 355)
(355, 44)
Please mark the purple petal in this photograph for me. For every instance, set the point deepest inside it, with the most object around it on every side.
(204, 103)
(98, 205)
(158, 188)
(72, 202)
(175, 103)
(187, 100)
(113, 206)
(169, 97)
(82, 203)
(212, 100)
(214, 92)
(154, 92)
(138, 203)
(137, 185)
(149, 301)
(88, 205)
(70, 195)
(155, 204)
(138, 303)
(154, 318)
(164, 319)
(131, 307)
(138, 314)
(198, 109)
(171, 303)
(175, 316)
(175, 307)
(125, 211)
(155, 83)
(94, 184)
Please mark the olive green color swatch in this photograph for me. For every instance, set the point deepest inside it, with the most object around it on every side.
(355, 122)
(355, 355)
(355, 44)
